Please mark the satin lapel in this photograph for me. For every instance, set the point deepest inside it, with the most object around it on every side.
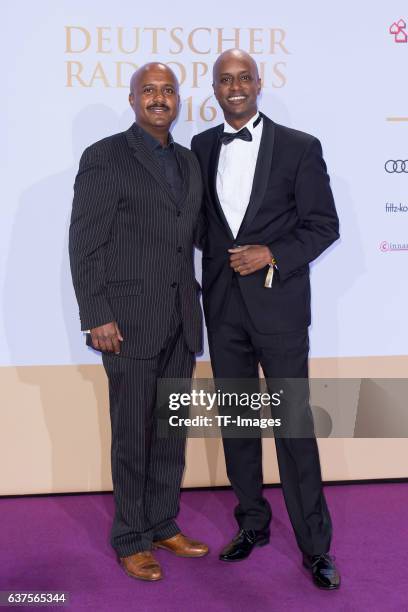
(212, 178)
(143, 155)
(262, 172)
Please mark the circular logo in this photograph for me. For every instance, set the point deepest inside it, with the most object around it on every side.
(384, 245)
(396, 166)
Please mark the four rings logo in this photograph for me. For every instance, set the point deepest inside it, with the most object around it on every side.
(397, 166)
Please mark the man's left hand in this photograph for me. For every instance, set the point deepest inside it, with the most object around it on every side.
(249, 258)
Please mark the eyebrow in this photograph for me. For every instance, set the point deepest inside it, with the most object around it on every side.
(230, 74)
(154, 85)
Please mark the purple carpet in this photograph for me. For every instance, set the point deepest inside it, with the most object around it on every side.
(61, 543)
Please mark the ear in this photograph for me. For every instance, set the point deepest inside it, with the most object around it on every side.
(131, 100)
(260, 84)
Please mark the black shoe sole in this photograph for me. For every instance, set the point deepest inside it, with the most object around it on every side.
(262, 542)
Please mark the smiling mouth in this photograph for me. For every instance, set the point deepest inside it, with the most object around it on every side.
(158, 109)
(236, 99)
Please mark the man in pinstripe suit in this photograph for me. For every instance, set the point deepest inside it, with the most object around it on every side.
(135, 219)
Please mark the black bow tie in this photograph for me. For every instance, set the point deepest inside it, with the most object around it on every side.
(244, 134)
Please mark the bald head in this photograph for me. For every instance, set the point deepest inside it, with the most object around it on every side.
(152, 67)
(234, 54)
(236, 85)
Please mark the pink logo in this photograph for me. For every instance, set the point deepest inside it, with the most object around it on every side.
(397, 29)
(386, 246)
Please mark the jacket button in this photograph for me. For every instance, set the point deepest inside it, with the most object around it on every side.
(173, 285)
(179, 249)
(179, 213)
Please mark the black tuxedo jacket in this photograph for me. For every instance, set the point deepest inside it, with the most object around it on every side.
(291, 209)
(131, 243)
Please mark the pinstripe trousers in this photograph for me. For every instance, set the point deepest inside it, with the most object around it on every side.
(146, 468)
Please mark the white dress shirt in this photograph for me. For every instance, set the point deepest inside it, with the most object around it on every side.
(235, 173)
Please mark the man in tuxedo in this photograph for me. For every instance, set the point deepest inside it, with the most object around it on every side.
(137, 200)
(270, 212)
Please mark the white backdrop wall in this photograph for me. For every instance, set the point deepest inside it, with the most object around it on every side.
(332, 69)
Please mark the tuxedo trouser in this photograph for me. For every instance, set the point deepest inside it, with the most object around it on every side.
(236, 350)
(147, 468)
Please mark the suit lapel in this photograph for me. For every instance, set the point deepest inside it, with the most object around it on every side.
(144, 156)
(262, 172)
(212, 177)
(185, 174)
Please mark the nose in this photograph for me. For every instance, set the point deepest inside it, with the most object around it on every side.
(158, 97)
(235, 86)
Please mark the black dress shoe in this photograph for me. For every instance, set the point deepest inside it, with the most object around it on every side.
(242, 545)
(324, 572)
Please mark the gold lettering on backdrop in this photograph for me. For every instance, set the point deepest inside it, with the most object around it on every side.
(181, 76)
(136, 44)
(177, 40)
(102, 39)
(154, 31)
(277, 37)
(99, 74)
(206, 111)
(281, 77)
(221, 39)
(253, 40)
(124, 48)
(261, 71)
(198, 66)
(74, 70)
(68, 39)
(191, 43)
(121, 80)
(189, 104)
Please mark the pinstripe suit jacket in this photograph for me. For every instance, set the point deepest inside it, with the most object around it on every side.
(131, 243)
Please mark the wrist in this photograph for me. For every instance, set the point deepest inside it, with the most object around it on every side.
(271, 258)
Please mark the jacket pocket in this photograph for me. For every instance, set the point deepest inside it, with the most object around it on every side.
(125, 288)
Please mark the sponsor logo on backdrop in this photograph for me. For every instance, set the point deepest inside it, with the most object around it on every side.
(390, 207)
(106, 57)
(398, 31)
(386, 246)
(396, 166)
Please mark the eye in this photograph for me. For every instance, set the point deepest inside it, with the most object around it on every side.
(169, 91)
(147, 90)
(225, 79)
(245, 77)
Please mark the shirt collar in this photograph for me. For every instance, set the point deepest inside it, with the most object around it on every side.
(151, 142)
(250, 125)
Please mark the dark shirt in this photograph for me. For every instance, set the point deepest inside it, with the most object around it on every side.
(166, 157)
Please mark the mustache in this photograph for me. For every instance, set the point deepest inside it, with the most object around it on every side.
(158, 106)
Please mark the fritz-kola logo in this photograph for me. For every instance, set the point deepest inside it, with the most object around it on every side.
(390, 207)
(398, 30)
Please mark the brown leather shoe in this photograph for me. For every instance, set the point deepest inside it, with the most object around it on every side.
(182, 546)
(142, 565)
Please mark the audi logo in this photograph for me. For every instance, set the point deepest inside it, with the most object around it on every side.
(397, 166)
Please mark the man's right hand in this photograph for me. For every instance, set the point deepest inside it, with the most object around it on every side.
(107, 338)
